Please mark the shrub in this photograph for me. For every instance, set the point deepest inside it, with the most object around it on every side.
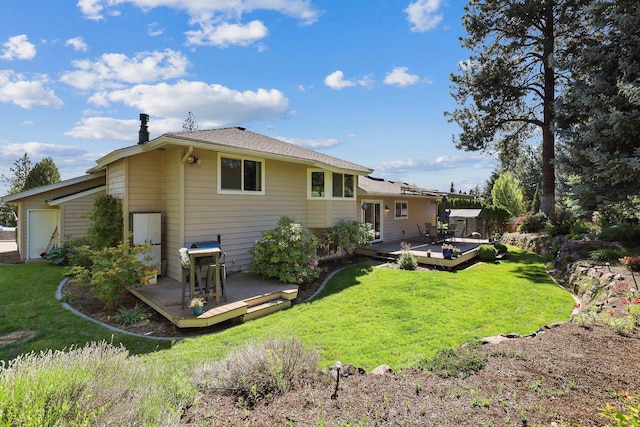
(624, 232)
(561, 223)
(259, 370)
(407, 261)
(286, 253)
(502, 249)
(98, 384)
(350, 235)
(629, 416)
(459, 363)
(69, 253)
(632, 263)
(112, 271)
(106, 228)
(532, 223)
(131, 316)
(606, 254)
(487, 253)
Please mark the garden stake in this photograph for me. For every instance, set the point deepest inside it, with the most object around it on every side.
(335, 392)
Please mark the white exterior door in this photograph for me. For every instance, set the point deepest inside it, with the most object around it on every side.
(147, 228)
(41, 225)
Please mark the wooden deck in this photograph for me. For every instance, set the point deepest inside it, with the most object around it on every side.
(392, 250)
(245, 297)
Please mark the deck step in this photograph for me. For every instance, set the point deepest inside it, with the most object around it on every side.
(266, 308)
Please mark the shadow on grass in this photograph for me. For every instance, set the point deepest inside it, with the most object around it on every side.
(343, 279)
(525, 266)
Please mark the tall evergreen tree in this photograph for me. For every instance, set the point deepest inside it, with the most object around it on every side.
(190, 123)
(43, 173)
(507, 89)
(20, 171)
(600, 113)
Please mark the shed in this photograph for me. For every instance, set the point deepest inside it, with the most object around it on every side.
(467, 221)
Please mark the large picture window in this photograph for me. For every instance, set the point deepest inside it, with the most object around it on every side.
(242, 175)
(338, 185)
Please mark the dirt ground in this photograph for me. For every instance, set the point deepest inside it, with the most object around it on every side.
(559, 377)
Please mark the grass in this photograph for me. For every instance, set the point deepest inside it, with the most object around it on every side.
(365, 316)
(368, 316)
(29, 309)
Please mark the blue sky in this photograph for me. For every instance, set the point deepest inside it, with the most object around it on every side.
(363, 80)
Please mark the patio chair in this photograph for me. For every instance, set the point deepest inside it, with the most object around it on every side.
(434, 236)
(423, 234)
(199, 286)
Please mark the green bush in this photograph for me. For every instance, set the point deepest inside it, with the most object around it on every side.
(561, 223)
(112, 271)
(407, 261)
(286, 253)
(487, 253)
(131, 316)
(533, 223)
(606, 254)
(95, 385)
(106, 228)
(502, 249)
(259, 370)
(457, 363)
(350, 235)
(624, 232)
(69, 253)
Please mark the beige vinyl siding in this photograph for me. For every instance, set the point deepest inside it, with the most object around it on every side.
(75, 216)
(39, 201)
(240, 219)
(144, 181)
(421, 210)
(342, 210)
(116, 179)
(172, 232)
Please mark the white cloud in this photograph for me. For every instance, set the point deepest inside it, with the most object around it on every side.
(168, 104)
(106, 128)
(337, 81)
(399, 76)
(434, 165)
(77, 43)
(312, 143)
(226, 34)
(423, 15)
(154, 29)
(18, 47)
(92, 9)
(113, 69)
(16, 89)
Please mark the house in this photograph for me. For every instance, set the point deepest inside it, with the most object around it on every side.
(231, 183)
(53, 213)
(395, 209)
(228, 182)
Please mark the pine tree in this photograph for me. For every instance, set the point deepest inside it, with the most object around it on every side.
(43, 173)
(507, 89)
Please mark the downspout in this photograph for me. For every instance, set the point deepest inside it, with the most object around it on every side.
(186, 156)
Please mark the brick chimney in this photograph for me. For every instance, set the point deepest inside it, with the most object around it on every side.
(143, 134)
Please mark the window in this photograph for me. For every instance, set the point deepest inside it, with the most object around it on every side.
(402, 210)
(340, 185)
(241, 174)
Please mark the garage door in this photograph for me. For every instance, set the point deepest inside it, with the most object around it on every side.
(41, 225)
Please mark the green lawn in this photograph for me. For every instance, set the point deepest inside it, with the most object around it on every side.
(369, 316)
(365, 316)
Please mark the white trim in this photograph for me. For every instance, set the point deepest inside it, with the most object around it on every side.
(62, 200)
(242, 159)
(50, 187)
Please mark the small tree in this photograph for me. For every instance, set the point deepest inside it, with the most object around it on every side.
(350, 235)
(107, 225)
(506, 193)
(190, 123)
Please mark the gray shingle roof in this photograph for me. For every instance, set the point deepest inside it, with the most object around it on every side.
(240, 138)
(381, 186)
